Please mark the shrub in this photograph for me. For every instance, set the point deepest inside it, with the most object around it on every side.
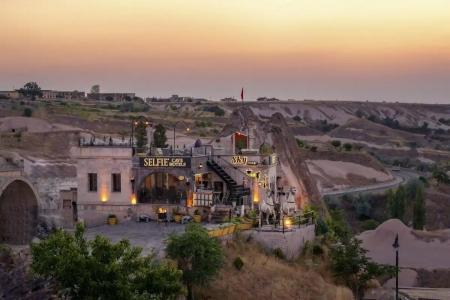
(98, 269)
(278, 253)
(238, 263)
(317, 249)
(27, 112)
(313, 149)
(297, 118)
(348, 147)
(336, 143)
(321, 227)
(369, 224)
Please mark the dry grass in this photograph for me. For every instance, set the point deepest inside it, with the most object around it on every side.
(267, 277)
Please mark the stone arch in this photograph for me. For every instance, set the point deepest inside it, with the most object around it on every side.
(180, 187)
(18, 211)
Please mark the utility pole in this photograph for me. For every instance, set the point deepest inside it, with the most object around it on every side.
(396, 246)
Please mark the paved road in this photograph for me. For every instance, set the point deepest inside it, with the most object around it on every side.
(400, 176)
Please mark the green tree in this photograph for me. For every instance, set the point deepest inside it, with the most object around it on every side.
(336, 143)
(198, 255)
(98, 269)
(159, 137)
(353, 268)
(441, 176)
(31, 89)
(397, 203)
(27, 112)
(419, 210)
(348, 147)
(140, 133)
(95, 89)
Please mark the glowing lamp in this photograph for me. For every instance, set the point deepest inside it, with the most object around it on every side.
(287, 222)
(104, 198)
(133, 199)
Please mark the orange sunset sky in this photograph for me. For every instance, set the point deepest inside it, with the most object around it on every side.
(391, 50)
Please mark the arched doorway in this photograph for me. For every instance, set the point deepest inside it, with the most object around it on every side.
(163, 188)
(18, 213)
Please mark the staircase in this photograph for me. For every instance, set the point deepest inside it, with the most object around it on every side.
(236, 191)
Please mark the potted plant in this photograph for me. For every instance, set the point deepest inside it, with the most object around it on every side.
(197, 216)
(112, 220)
(177, 216)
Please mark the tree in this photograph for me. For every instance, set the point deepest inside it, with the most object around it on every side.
(419, 210)
(348, 147)
(352, 267)
(140, 133)
(27, 112)
(31, 89)
(336, 143)
(159, 137)
(95, 89)
(98, 269)
(397, 203)
(440, 175)
(198, 255)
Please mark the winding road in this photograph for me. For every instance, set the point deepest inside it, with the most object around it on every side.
(400, 176)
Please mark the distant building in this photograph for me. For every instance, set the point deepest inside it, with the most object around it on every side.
(228, 99)
(117, 97)
(265, 99)
(51, 94)
(175, 99)
(10, 94)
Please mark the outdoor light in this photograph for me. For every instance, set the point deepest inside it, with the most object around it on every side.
(133, 199)
(188, 129)
(104, 198)
(287, 222)
(200, 165)
(181, 177)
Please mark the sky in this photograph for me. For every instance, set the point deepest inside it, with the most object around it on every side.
(384, 50)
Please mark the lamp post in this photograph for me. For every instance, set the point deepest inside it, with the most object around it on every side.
(174, 127)
(396, 245)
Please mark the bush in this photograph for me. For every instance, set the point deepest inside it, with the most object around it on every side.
(278, 253)
(297, 118)
(98, 269)
(336, 143)
(348, 147)
(27, 112)
(317, 250)
(313, 149)
(321, 227)
(238, 263)
(215, 109)
(369, 224)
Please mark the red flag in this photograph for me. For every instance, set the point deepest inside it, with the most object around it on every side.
(242, 94)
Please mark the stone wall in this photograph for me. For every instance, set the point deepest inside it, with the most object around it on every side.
(290, 242)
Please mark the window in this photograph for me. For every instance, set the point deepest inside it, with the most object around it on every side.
(92, 184)
(116, 182)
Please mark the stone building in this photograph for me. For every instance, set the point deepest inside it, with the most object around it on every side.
(52, 95)
(117, 97)
(111, 180)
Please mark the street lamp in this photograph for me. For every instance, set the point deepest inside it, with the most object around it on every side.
(174, 127)
(396, 245)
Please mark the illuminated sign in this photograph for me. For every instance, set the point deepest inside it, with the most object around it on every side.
(239, 160)
(165, 162)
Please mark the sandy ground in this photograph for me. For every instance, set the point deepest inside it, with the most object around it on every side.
(427, 253)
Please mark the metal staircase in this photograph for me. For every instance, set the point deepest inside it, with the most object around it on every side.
(236, 191)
